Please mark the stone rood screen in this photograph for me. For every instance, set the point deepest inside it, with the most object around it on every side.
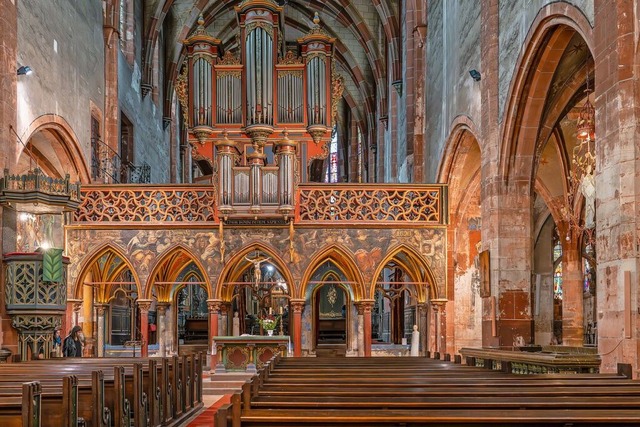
(374, 205)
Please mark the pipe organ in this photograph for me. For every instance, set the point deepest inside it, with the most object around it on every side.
(258, 112)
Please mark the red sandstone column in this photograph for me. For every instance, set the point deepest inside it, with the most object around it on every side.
(144, 305)
(8, 120)
(618, 196)
(214, 309)
(438, 306)
(572, 289)
(297, 306)
(364, 308)
(423, 324)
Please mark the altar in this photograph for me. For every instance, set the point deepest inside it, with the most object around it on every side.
(249, 352)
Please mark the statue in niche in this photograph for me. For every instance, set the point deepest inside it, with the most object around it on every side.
(588, 190)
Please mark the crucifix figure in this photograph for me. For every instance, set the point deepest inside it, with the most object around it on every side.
(257, 274)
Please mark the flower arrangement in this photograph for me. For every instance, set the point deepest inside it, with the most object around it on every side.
(269, 322)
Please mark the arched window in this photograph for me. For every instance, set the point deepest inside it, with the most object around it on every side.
(332, 169)
(557, 266)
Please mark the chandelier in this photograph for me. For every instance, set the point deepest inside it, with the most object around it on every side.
(581, 175)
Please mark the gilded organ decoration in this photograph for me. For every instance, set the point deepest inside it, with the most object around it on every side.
(252, 96)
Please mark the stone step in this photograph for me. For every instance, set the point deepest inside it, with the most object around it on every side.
(224, 383)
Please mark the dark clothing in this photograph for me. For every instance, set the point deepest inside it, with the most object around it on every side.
(72, 348)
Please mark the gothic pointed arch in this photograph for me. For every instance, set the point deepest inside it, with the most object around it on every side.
(167, 269)
(105, 265)
(51, 143)
(546, 42)
(238, 263)
(342, 259)
(415, 266)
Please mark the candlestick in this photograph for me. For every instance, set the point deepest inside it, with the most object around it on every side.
(280, 310)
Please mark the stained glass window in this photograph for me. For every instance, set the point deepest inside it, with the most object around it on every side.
(557, 262)
(332, 170)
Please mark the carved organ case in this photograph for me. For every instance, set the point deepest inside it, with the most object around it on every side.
(262, 114)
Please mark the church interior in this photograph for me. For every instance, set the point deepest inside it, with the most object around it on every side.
(233, 181)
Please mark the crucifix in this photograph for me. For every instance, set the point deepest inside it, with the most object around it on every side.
(257, 274)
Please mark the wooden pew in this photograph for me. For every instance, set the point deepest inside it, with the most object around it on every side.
(100, 398)
(420, 392)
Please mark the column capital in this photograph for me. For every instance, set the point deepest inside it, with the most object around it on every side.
(439, 303)
(422, 306)
(162, 307)
(214, 305)
(101, 308)
(297, 305)
(365, 306)
(75, 303)
(144, 305)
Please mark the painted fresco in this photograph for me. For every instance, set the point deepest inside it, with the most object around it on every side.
(144, 248)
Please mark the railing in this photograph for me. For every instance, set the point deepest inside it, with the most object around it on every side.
(107, 167)
(344, 204)
(37, 182)
(147, 204)
(335, 204)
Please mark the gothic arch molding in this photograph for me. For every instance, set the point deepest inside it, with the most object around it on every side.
(235, 265)
(545, 43)
(90, 261)
(416, 266)
(64, 142)
(343, 259)
(175, 258)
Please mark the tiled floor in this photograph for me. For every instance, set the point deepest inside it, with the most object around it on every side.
(211, 404)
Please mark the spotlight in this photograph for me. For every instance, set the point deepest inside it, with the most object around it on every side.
(475, 75)
(24, 70)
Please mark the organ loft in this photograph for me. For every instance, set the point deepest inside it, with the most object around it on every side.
(336, 192)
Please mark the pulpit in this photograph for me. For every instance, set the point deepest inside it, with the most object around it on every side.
(249, 352)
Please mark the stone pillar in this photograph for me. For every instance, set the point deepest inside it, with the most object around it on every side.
(438, 306)
(364, 309)
(111, 48)
(360, 332)
(618, 193)
(161, 307)
(572, 288)
(506, 206)
(144, 305)
(101, 311)
(225, 309)
(422, 312)
(297, 306)
(8, 120)
(214, 310)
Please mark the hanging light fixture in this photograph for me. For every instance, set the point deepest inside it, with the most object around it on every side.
(581, 176)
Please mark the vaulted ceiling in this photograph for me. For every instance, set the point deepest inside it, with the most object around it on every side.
(366, 32)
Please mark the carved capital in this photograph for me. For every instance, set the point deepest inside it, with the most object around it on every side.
(297, 305)
(439, 304)
(423, 308)
(214, 305)
(146, 88)
(75, 303)
(101, 309)
(364, 306)
(144, 305)
(162, 307)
